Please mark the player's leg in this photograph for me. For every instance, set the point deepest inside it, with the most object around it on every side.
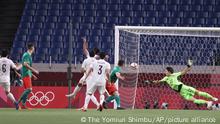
(206, 95)
(6, 87)
(188, 93)
(102, 96)
(90, 91)
(77, 89)
(89, 85)
(28, 88)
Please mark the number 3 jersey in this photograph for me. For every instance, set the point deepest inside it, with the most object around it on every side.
(5, 66)
(99, 71)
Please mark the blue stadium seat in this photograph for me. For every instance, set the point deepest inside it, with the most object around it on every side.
(47, 32)
(148, 7)
(77, 19)
(124, 7)
(61, 25)
(90, 13)
(49, 25)
(101, 7)
(65, 6)
(63, 19)
(37, 25)
(53, 12)
(124, 20)
(65, 13)
(102, 13)
(41, 12)
(136, 8)
(113, 20)
(42, 6)
(35, 32)
(78, 13)
(33, 38)
(127, 13)
(100, 20)
(22, 31)
(27, 19)
(85, 26)
(29, 13)
(53, 6)
(113, 7)
(59, 32)
(77, 7)
(97, 26)
(39, 18)
(90, 7)
(114, 13)
(88, 19)
(31, 6)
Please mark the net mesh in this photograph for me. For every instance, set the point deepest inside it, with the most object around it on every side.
(154, 50)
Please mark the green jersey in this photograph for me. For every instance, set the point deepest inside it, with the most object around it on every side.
(172, 80)
(26, 58)
(113, 77)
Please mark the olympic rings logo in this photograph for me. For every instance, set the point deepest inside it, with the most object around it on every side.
(41, 98)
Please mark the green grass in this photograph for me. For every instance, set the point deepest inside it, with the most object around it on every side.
(72, 116)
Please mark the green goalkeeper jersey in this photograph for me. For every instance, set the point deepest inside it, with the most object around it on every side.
(172, 80)
(113, 77)
(26, 58)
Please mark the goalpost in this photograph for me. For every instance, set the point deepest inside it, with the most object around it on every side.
(154, 48)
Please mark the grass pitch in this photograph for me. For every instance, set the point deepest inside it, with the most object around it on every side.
(137, 116)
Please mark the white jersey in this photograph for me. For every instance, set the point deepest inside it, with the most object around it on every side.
(99, 71)
(5, 66)
(86, 64)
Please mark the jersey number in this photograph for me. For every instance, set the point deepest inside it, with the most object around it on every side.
(100, 69)
(4, 68)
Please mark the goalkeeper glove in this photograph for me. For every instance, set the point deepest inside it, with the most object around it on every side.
(189, 63)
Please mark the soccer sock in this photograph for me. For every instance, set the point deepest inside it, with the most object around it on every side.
(24, 96)
(109, 99)
(94, 100)
(206, 95)
(102, 98)
(199, 101)
(117, 99)
(11, 97)
(87, 99)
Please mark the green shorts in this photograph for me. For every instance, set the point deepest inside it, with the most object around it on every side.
(187, 92)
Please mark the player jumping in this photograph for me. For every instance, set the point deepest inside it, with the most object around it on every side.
(187, 92)
(100, 70)
(110, 86)
(5, 66)
(27, 70)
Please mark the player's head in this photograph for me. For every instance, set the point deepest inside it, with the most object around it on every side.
(102, 55)
(91, 53)
(96, 51)
(30, 47)
(169, 70)
(121, 63)
(4, 53)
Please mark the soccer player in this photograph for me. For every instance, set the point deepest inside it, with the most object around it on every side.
(100, 70)
(5, 66)
(110, 86)
(187, 92)
(27, 70)
(87, 54)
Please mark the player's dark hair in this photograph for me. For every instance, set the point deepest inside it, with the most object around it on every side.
(102, 55)
(30, 45)
(4, 53)
(91, 54)
(170, 69)
(121, 62)
(96, 50)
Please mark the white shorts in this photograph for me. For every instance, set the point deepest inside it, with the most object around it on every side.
(91, 89)
(6, 86)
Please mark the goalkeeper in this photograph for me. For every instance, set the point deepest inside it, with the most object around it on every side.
(187, 92)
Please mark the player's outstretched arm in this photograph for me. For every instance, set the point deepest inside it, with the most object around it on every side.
(120, 76)
(188, 68)
(85, 47)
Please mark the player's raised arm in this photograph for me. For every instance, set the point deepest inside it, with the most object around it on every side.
(188, 68)
(30, 68)
(85, 47)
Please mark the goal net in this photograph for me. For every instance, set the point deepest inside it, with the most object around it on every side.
(155, 48)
